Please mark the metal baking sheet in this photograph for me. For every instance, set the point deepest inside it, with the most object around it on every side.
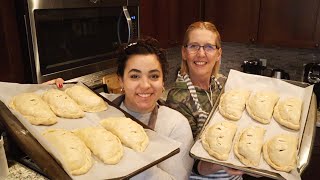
(132, 163)
(306, 133)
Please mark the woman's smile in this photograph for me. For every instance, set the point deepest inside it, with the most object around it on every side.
(144, 95)
(200, 63)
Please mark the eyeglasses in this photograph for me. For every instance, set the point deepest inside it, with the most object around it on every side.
(194, 48)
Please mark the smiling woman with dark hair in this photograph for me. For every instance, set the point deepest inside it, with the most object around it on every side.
(141, 71)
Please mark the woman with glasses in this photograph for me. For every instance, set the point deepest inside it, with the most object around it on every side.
(197, 88)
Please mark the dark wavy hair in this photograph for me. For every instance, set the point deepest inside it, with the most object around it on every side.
(141, 47)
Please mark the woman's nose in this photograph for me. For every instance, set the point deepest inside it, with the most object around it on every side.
(145, 83)
(201, 51)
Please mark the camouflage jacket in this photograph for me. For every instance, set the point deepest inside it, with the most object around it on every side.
(179, 98)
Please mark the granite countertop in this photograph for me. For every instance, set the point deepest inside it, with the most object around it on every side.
(19, 171)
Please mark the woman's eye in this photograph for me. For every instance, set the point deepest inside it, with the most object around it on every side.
(155, 76)
(134, 76)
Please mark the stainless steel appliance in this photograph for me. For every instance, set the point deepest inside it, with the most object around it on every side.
(311, 75)
(280, 74)
(252, 66)
(72, 38)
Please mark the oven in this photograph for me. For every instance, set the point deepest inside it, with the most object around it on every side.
(72, 38)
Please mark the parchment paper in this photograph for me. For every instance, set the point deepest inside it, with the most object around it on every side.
(159, 146)
(255, 83)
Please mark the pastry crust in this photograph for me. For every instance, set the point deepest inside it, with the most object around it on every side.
(249, 144)
(62, 105)
(280, 152)
(103, 144)
(75, 156)
(287, 112)
(33, 108)
(217, 139)
(86, 99)
(232, 103)
(130, 133)
(260, 105)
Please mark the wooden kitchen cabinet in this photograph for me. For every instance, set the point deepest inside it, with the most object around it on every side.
(293, 23)
(167, 20)
(290, 23)
(11, 68)
(236, 20)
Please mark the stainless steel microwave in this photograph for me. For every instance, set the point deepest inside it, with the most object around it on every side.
(72, 38)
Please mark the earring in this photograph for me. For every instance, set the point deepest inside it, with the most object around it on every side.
(122, 90)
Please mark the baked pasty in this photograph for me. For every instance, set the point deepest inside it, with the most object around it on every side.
(280, 152)
(62, 105)
(287, 112)
(75, 156)
(33, 108)
(249, 144)
(217, 139)
(86, 99)
(260, 105)
(106, 146)
(232, 103)
(130, 133)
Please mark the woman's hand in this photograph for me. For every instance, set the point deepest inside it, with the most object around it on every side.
(231, 171)
(206, 168)
(59, 82)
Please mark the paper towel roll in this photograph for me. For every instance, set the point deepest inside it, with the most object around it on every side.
(4, 170)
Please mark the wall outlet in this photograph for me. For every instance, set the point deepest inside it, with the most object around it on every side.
(263, 62)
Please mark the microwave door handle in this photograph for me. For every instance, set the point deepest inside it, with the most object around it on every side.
(129, 23)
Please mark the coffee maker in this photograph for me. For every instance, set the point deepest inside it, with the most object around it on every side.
(311, 75)
(252, 67)
(280, 74)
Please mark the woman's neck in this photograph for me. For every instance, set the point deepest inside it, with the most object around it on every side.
(139, 111)
(202, 82)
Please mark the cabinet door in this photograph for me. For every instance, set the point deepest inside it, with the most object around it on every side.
(190, 11)
(294, 23)
(154, 20)
(167, 20)
(147, 19)
(12, 68)
(236, 20)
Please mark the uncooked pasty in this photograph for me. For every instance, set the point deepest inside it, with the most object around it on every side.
(105, 145)
(217, 139)
(248, 145)
(75, 156)
(232, 103)
(33, 108)
(287, 112)
(260, 105)
(86, 99)
(130, 133)
(280, 152)
(62, 105)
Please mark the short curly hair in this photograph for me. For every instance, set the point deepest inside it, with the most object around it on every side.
(141, 47)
